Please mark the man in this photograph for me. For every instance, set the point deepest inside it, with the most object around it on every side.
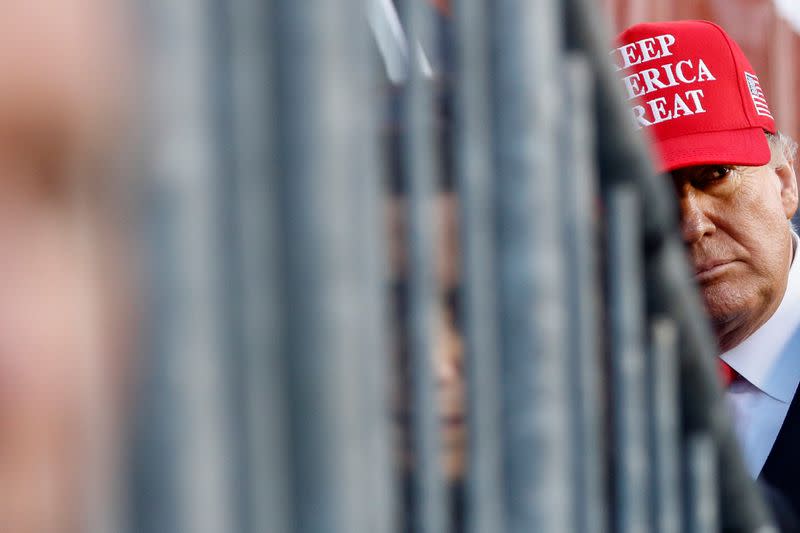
(63, 296)
(695, 94)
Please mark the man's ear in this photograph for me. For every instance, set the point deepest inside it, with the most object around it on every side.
(788, 184)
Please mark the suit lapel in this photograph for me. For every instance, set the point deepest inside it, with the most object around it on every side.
(782, 469)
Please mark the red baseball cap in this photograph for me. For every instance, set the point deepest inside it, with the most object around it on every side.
(694, 92)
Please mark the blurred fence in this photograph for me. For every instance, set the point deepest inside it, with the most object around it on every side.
(592, 400)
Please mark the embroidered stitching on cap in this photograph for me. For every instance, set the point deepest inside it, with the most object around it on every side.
(759, 99)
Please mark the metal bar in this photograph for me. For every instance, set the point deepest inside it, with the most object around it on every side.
(185, 161)
(626, 304)
(419, 167)
(701, 486)
(228, 248)
(526, 102)
(579, 219)
(265, 490)
(664, 426)
(474, 178)
(321, 87)
(381, 491)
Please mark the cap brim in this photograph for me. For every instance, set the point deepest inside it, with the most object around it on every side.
(746, 147)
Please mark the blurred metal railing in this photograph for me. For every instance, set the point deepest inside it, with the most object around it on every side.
(592, 400)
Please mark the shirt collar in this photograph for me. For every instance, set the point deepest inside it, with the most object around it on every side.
(762, 359)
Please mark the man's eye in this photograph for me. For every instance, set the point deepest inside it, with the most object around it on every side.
(712, 176)
(717, 173)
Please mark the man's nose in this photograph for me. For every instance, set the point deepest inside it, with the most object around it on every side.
(695, 223)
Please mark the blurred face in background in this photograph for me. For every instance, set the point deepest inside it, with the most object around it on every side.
(734, 223)
(62, 287)
(448, 349)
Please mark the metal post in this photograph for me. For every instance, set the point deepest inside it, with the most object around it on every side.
(700, 489)
(196, 415)
(322, 84)
(626, 304)
(265, 487)
(526, 102)
(664, 425)
(419, 166)
(474, 178)
(579, 218)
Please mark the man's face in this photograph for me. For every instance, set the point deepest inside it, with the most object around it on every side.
(734, 223)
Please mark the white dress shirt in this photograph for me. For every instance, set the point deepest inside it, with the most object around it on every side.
(771, 372)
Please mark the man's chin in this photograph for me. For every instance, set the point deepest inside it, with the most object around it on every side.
(730, 310)
(723, 304)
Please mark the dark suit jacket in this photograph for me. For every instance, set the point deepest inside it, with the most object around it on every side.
(780, 477)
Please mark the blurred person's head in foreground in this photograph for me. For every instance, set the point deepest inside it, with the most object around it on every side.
(63, 289)
(695, 95)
